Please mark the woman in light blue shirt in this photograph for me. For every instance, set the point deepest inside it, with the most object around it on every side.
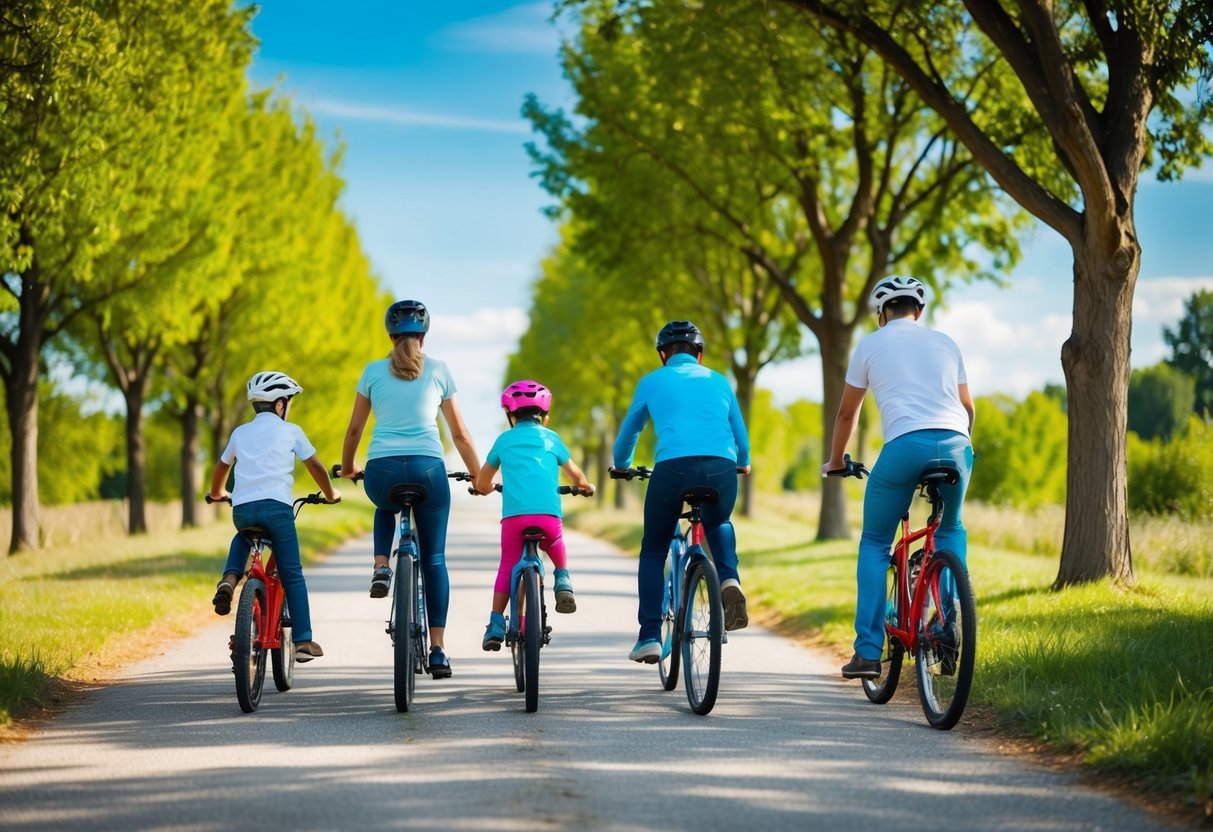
(406, 391)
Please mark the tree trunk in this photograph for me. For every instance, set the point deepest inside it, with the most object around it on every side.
(746, 381)
(604, 463)
(189, 463)
(832, 521)
(21, 402)
(136, 458)
(1095, 359)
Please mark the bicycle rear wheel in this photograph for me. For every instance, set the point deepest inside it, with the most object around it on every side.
(420, 626)
(404, 679)
(947, 645)
(282, 659)
(702, 633)
(881, 689)
(248, 659)
(671, 645)
(531, 638)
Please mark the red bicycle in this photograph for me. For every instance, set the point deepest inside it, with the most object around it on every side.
(931, 611)
(263, 621)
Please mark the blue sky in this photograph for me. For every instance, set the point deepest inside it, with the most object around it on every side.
(426, 99)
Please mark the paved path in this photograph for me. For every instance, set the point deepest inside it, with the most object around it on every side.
(789, 745)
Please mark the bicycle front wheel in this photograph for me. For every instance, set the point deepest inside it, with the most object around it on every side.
(702, 634)
(404, 679)
(533, 620)
(881, 689)
(282, 659)
(248, 658)
(947, 644)
(671, 645)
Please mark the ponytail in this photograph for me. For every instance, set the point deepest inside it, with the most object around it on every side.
(406, 359)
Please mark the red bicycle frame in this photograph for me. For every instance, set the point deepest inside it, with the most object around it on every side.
(907, 612)
(269, 634)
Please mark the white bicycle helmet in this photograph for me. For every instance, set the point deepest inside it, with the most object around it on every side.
(270, 386)
(897, 286)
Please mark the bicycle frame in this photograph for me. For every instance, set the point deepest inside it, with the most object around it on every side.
(269, 630)
(909, 607)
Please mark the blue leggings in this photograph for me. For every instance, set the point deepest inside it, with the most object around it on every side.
(889, 492)
(662, 506)
(429, 518)
(279, 520)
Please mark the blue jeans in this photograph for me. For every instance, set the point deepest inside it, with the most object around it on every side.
(279, 520)
(662, 506)
(889, 492)
(429, 519)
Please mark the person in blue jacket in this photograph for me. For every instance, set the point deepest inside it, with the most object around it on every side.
(701, 441)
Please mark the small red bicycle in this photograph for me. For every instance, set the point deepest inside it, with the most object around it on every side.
(931, 611)
(263, 621)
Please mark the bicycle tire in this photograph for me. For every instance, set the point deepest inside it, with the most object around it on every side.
(881, 689)
(282, 659)
(248, 659)
(420, 626)
(671, 645)
(532, 638)
(945, 670)
(403, 677)
(702, 633)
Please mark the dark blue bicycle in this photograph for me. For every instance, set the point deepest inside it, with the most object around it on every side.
(692, 619)
(407, 624)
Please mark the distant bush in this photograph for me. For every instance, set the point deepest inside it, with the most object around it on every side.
(1173, 477)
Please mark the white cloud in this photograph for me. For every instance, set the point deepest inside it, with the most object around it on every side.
(523, 29)
(476, 347)
(389, 114)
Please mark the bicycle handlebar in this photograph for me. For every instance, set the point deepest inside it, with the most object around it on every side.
(316, 499)
(850, 468)
(563, 489)
(640, 472)
(335, 471)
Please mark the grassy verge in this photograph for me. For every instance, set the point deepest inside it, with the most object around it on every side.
(1123, 680)
(70, 613)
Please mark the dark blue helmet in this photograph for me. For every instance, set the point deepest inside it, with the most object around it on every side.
(407, 316)
(680, 332)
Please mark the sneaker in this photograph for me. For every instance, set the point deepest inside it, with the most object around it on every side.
(381, 580)
(646, 651)
(494, 633)
(440, 665)
(305, 651)
(223, 596)
(945, 640)
(861, 668)
(565, 600)
(735, 615)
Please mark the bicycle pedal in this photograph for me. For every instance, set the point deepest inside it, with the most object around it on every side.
(724, 637)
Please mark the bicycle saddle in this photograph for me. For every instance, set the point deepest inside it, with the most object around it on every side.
(939, 471)
(255, 531)
(407, 494)
(701, 494)
(532, 533)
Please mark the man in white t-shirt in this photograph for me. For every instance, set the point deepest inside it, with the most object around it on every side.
(917, 377)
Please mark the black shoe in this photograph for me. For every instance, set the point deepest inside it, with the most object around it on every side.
(440, 665)
(223, 596)
(945, 641)
(735, 615)
(381, 580)
(861, 668)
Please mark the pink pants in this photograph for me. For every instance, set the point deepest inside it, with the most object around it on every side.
(511, 544)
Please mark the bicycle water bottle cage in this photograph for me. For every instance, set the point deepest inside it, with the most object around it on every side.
(407, 494)
(939, 472)
(700, 494)
(532, 533)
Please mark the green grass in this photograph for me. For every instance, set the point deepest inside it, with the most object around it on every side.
(1123, 679)
(69, 612)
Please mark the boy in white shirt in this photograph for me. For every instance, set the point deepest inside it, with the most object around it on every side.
(267, 448)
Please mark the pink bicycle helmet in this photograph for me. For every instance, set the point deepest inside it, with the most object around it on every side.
(522, 394)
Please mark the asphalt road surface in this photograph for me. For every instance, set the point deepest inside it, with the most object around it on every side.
(790, 745)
